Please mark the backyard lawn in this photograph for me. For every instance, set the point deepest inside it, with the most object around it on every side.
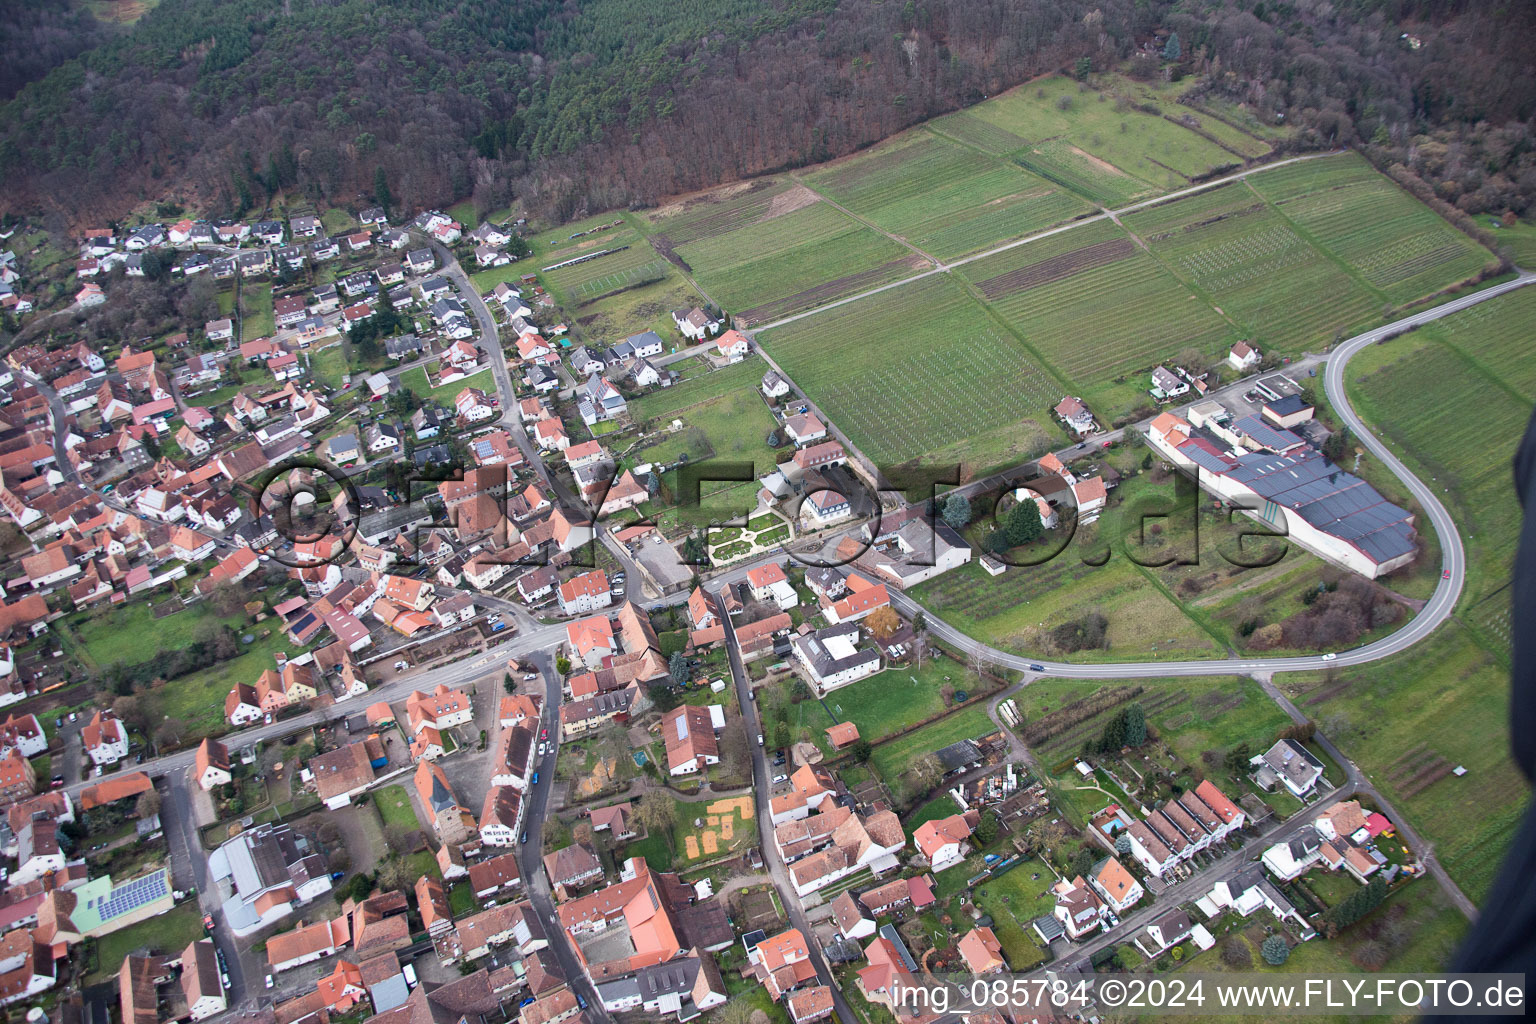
(899, 697)
(168, 933)
(395, 809)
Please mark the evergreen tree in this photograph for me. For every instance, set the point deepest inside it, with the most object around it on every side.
(986, 829)
(1023, 523)
(1171, 49)
(1275, 951)
(1135, 726)
(381, 193)
(678, 667)
(957, 511)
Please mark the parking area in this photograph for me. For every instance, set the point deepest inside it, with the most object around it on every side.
(662, 562)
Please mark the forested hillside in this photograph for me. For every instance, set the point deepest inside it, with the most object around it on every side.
(37, 37)
(586, 105)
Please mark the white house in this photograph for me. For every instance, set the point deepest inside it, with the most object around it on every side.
(1116, 886)
(945, 841)
(1244, 356)
(832, 657)
(769, 583)
(105, 739)
(695, 324)
(733, 345)
(586, 593)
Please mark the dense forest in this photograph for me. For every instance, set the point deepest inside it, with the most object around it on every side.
(587, 104)
(37, 37)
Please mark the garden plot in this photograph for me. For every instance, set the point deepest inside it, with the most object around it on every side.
(1093, 310)
(920, 370)
(944, 198)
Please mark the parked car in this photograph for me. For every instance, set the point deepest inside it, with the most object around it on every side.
(535, 778)
(524, 838)
(780, 778)
(269, 981)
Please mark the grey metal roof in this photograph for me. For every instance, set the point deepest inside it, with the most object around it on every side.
(1336, 502)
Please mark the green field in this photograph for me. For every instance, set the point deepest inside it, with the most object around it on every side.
(1244, 258)
(329, 365)
(1170, 611)
(415, 381)
(1147, 146)
(1408, 720)
(768, 250)
(1100, 182)
(131, 634)
(1474, 359)
(1095, 306)
(943, 381)
(1399, 246)
(1519, 241)
(945, 198)
(897, 698)
(1017, 610)
(725, 418)
(629, 262)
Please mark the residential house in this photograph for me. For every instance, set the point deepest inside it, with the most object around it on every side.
(1115, 885)
(945, 841)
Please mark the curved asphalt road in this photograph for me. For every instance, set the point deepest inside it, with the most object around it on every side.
(1434, 612)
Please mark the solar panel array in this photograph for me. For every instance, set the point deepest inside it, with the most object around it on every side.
(130, 896)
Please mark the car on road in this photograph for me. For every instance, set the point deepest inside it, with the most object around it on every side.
(208, 922)
(56, 782)
(1329, 656)
(759, 739)
(1446, 575)
(543, 734)
(1033, 667)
